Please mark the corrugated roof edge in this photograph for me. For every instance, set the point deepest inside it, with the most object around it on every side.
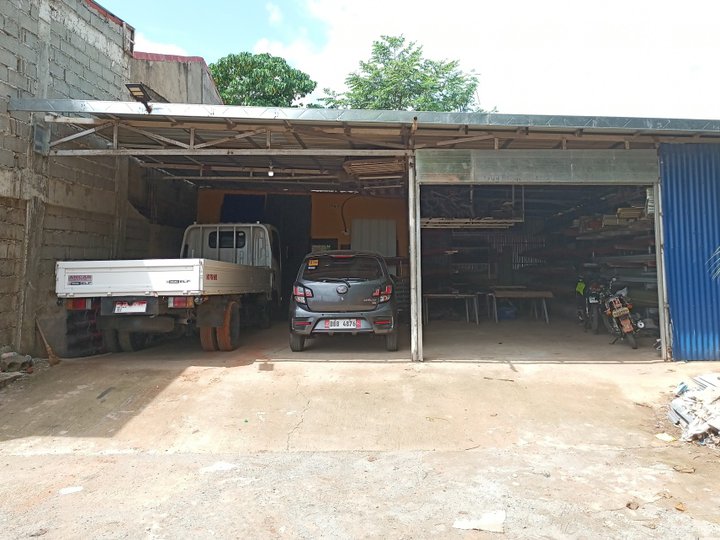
(476, 120)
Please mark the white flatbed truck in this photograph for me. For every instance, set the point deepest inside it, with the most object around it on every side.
(228, 277)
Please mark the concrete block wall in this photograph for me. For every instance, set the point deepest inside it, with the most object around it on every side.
(12, 226)
(60, 208)
(179, 79)
(144, 238)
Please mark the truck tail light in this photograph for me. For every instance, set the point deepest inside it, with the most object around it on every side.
(383, 295)
(78, 304)
(301, 294)
(182, 302)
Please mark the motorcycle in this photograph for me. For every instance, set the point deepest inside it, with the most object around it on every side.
(588, 303)
(618, 317)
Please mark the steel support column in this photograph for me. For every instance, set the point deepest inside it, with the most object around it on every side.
(664, 309)
(416, 330)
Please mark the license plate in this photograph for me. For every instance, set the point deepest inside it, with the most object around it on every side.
(342, 323)
(130, 307)
(620, 312)
(593, 300)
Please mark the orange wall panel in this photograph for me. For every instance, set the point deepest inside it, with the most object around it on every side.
(209, 205)
(327, 219)
(326, 213)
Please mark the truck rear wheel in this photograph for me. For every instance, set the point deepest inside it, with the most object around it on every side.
(131, 341)
(265, 314)
(110, 340)
(228, 335)
(208, 339)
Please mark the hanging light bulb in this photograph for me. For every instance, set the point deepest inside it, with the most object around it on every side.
(270, 171)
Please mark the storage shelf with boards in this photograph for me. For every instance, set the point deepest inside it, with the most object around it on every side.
(602, 247)
(464, 265)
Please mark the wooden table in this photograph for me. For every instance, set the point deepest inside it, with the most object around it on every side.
(471, 299)
(520, 294)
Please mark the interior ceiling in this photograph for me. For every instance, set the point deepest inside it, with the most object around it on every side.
(219, 147)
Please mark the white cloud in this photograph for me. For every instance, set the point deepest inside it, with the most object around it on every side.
(615, 58)
(274, 12)
(145, 45)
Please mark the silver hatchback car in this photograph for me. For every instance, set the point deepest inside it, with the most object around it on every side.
(343, 292)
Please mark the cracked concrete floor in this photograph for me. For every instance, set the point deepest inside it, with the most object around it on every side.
(174, 443)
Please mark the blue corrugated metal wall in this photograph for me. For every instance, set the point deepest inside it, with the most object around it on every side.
(691, 219)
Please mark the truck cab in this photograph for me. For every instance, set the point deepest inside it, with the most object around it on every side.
(248, 244)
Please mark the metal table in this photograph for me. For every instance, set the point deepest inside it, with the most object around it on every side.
(520, 294)
(471, 299)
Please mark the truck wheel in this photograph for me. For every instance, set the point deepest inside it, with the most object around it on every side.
(228, 335)
(391, 341)
(131, 341)
(110, 340)
(297, 342)
(265, 315)
(208, 340)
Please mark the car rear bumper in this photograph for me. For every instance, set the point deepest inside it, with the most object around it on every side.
(378, 321)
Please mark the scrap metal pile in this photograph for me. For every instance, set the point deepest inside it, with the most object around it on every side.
(696, 409)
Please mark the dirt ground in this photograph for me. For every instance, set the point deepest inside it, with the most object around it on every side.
(552, 426)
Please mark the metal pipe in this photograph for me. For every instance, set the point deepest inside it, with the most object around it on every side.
(229, 152)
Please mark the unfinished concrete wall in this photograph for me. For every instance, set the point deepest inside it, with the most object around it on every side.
(60, 208)
(53, 49)
(12, 226)
(179, 79)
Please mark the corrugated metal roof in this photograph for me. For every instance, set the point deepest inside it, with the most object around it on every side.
(233, 147)
(370, 117)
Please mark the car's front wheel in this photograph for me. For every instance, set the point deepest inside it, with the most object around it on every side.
(297, 342)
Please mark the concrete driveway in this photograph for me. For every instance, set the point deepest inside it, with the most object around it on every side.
(351, 442)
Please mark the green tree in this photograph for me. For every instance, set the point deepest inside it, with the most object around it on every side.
(259, 79)
(397, 77)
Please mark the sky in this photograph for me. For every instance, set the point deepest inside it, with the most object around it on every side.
(637, 58)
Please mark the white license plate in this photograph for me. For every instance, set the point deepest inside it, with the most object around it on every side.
(593, 300)
(620, 312)
(342, 323)
(130, 307)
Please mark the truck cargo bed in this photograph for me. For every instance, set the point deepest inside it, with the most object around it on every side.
(159, 277)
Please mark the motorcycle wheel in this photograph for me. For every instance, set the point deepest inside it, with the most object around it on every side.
(607, 324)
(595, 319)
(631, 340)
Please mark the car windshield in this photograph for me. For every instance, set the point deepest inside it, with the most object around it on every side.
(345, 267)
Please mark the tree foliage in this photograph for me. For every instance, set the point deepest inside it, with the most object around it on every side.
(259, 79)
(397, 77)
